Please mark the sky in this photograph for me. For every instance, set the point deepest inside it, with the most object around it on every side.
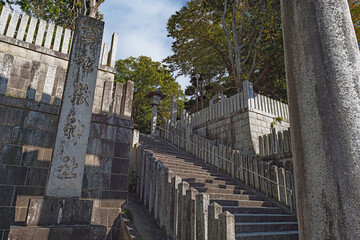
(141, 25)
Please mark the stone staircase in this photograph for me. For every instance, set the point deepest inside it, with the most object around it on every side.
(256, 216)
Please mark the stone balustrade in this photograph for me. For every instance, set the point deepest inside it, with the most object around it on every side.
(275, 182)
(175, 205)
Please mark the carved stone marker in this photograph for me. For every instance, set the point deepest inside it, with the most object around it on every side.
(67, 166)
(323, 74)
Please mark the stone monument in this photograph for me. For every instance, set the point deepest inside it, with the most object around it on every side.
(61, 215)
(323, 79)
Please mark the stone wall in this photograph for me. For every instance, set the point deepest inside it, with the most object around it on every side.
(33, 61)
(238, 121)
(27, 136)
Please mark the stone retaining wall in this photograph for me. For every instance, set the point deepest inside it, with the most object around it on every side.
(238, 121)
(27, 136)
(179, 210)
(34, 57)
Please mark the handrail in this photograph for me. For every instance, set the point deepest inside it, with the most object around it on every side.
(246, 169)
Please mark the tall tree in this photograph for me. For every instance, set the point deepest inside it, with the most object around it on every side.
(148, 76)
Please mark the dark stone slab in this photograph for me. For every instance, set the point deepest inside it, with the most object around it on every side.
(6, 193)
(12, 175)
(36, 177)
(10, 154)
(96, 181)
(120, 166)
(122, 150)
(59, 211)
(119, 182)
(5, 133)
(104, 148)
(7, 217)
(57, 233)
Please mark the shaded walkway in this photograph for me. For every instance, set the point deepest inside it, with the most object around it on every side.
(144, 224)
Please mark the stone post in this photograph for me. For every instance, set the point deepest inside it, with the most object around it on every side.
(173, 113)
(227, 226)
(68, 161)
(153, 120)
(323, 79)
(202, 204)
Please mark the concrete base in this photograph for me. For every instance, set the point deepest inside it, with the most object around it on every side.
(57, 233)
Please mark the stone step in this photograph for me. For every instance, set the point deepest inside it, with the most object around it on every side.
(223, 190)
(214, 185)
(245, 227)
(203, 180)
(234, 196)
(197, 173)
(253, 210)
(192, 168)
(250, 217)
(280, 235)
(242, 203)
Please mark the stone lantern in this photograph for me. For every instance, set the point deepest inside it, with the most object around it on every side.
(155, 98)
(219, 94)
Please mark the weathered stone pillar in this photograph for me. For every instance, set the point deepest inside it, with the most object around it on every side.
(202, 204)
(323, 73)
(173, 113)
(153, 119)
(68, 161)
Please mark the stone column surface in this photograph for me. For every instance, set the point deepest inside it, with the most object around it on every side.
(153, 119)
(173, 113)
(68, 160)
(323, 79)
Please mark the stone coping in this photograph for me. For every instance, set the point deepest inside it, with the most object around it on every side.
(47, 51)
(55, 110)
(33, 47)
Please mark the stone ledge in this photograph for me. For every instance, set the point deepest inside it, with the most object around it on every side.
(29, 105)
(33, 47)
(56, 233)
(106, 68)
(114, 121)
(59, 211)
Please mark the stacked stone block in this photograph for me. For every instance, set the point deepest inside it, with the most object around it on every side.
(34, 68)
(27, 135)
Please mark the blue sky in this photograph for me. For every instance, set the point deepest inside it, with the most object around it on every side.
(141, 25)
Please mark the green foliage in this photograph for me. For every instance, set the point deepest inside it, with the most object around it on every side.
(133, 181)
(275, 122)
(128, 214)
(148, 76)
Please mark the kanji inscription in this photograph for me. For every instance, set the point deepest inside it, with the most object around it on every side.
(80, 94)
(66, 170)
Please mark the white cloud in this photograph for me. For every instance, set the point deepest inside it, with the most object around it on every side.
(141, 25)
